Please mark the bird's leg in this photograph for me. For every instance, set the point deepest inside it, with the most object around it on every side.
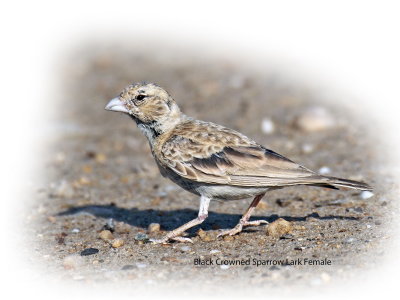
(244, 221)
(176, 233)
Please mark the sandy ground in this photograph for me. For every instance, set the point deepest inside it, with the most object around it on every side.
(100, 175)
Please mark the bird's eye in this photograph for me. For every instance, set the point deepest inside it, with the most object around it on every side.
(140, 97)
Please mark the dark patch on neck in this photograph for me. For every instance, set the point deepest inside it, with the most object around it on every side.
(169, 103)
(151, 126)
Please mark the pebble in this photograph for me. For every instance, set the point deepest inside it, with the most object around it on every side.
(75, 230)
(170, 259)
(324, 170)
(118, 243)
(127, 267)
(279, 228)
(350, 240)
(89, 251)
(267, 126)
(214, 251)
(307, 148)
(185, 248)
(228, 238)
(52, 219)
(225, 267)
(366, 194)
(82, 181)
(106, 235)
(204, 236)
(315, 118)
(141, 265)
(72, 262)
(141, 237)
(100, 158)
(299, 248)
(154, 227)
(287, 236)
(354, 209)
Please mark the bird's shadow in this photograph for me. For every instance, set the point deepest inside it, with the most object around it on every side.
(172, 219)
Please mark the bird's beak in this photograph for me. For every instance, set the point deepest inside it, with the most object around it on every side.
(116, 105)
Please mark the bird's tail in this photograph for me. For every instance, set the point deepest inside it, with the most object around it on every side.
(334, 182)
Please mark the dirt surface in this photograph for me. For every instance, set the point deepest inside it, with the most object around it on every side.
(100, 175)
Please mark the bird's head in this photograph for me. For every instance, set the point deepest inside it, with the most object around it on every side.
(146, 103)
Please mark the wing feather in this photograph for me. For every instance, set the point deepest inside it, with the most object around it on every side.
(215, 154)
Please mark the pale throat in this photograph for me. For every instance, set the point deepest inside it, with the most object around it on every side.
(154, 129)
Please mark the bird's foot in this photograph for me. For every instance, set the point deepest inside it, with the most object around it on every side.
(167, 239)
(239, 227)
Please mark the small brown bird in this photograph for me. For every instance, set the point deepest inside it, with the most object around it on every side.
(210, 160)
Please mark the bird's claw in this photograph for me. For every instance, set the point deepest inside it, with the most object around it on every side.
(166, 240)
(239, 227)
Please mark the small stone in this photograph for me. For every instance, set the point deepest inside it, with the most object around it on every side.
(214, 251)
(299, 248)
(204, 236)
(366, 194)
(267, 126)
(141, 265)
(83, 181)
(117, 243)
(225, 267)
(354, 209)
(369, 226)
(287, 236)
(141, 237)
(87, 169)
(72, 262)
(89, 251)
(324, 170)
(75, 230)
(314, 119)
(100, 158)
(170, 259)
(185, 248)
(228, 238)
(154, 227)
(106, 235)
(350, 240)
(127, 267)
(52, 219)
(307, 148)
(278, 228)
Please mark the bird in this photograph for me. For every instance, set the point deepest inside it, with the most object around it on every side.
(210, 160)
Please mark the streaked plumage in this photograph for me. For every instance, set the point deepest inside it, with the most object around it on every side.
(211, 160)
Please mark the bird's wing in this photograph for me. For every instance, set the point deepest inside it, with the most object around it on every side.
(214, 154)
